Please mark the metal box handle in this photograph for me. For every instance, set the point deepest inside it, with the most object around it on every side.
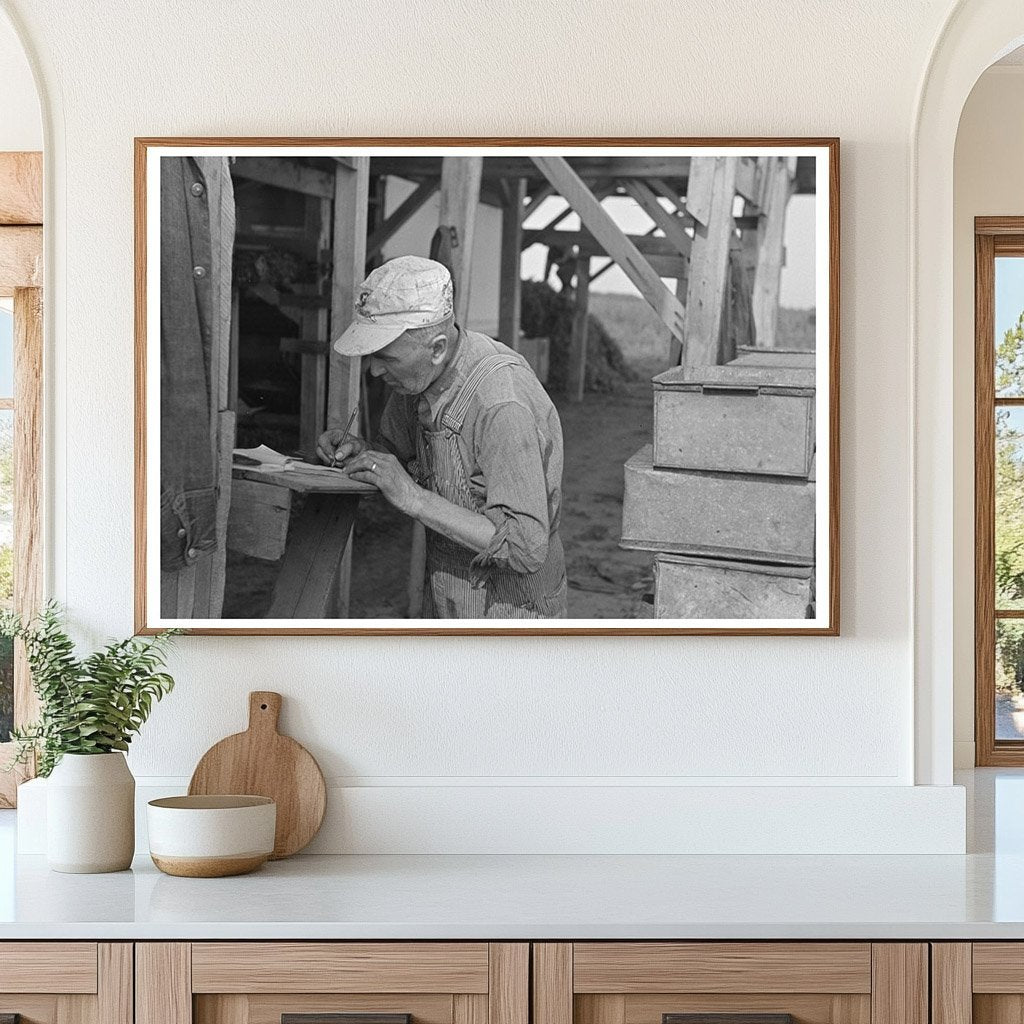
(730, 389)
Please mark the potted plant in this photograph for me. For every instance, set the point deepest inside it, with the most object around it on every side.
(89, 710)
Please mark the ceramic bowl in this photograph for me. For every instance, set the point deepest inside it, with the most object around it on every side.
(211, 836)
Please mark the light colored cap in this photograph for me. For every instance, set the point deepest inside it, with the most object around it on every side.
(408, 291)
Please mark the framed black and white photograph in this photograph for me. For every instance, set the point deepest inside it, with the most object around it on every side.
(493, 386)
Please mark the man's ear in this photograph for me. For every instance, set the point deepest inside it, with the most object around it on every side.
(438, 348)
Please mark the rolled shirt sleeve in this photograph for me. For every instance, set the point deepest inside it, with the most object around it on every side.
(510, 456)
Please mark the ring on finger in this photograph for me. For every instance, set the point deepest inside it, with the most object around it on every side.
(373, 468)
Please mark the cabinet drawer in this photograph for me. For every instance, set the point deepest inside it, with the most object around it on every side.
(730, 983)
(332, 983)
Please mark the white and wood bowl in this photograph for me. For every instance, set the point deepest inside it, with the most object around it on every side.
(211, 836)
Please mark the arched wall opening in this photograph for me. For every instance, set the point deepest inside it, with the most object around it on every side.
(976, 35)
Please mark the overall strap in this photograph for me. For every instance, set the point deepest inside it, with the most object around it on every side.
(455, 412)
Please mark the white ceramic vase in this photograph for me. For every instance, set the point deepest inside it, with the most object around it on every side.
(90, 814)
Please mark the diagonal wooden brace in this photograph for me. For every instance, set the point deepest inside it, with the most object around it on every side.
(614, 241)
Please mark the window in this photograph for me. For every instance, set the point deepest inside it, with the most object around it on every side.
(999, 490)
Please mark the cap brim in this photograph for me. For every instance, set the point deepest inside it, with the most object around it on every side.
(365, 339)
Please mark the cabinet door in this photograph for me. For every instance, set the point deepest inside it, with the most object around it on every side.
(66, 982)
(332, 983)
(730, 983)
(981, 982)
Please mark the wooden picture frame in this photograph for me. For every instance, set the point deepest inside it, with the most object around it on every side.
(731, 225)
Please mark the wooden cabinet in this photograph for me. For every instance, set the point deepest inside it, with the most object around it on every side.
(305, 982)
(752, 982)
(66, 982)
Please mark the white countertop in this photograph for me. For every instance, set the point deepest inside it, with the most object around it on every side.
(977, 896)
(496, 897)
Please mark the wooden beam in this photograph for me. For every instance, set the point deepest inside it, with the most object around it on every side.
(648, 245)
(402, 214)
(779, 175)
(313, 323)
(21, 188)
(344, 373)
(576, 385)
(460, 193)
(21, 259)
(545, 191)
(670, 224)
(284, 172)
(709, 200)
(598, 222)
(666, 191)
(511, 284)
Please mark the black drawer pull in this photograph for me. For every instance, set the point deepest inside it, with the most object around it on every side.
(727, 1018)
(340, 1018)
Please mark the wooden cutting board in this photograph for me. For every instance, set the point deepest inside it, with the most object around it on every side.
(262, 762)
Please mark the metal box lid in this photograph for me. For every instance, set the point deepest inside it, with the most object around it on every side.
(777, 380)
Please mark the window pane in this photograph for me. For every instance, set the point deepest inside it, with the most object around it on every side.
(1009, 679)
(1009, 323)
(6, 567)
(1009, 525)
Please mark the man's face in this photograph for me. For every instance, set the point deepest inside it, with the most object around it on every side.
(409, 365)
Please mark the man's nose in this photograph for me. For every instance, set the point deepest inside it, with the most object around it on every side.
(376, 367)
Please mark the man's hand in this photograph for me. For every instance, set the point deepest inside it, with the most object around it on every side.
(388, 475)
(330, 449)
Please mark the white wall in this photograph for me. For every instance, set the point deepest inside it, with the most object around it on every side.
(21, 126)
(435, 715)
(987, 182)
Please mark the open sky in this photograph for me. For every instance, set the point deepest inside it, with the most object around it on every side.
(1009, 292)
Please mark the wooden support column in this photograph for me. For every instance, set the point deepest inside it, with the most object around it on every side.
(779, 182)
(613, 240)
(460, 193)
(351, 194)
(313, 330)
(578, 347)
(344, 377)
(510, 301)
(709, 200)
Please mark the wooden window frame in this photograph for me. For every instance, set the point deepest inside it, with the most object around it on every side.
(21, 270)
(993, 236)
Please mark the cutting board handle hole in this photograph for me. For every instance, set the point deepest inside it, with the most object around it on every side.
(263, 707)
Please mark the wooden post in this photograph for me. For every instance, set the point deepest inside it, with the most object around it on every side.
(709, 201)
(779, 182)
(351, 195)
(578, 347)
(313, 328)
(510, 299)
(460, 193)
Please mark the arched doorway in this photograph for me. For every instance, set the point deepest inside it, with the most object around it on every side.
(976, 35)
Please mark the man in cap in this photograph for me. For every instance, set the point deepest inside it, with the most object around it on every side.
(470, 445)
